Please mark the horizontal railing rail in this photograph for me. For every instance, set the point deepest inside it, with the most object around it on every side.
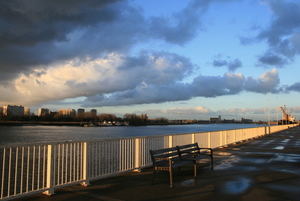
(41, 168)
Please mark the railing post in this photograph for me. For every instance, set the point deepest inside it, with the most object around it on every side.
(170, 141)
(85, 168)
(137, 154)
(49, 172)
(221, 139)
(224, 134)
(209, 140)
(193, 138)
(234, 141)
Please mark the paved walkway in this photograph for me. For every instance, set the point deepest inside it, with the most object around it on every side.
(267, 168)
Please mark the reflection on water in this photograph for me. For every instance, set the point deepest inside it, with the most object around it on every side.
(223, 153)
(279, 147)
(236, 187)
(28, 134)
(189, 182)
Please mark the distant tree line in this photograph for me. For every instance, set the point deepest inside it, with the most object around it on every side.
(132, 119)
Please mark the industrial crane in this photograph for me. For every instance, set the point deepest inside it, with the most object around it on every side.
(286, 118)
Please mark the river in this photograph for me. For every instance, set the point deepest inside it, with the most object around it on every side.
(37, 134)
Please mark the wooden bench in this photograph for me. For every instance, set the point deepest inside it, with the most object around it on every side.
(193, 152)
(169, 158)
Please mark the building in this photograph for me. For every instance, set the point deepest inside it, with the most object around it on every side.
(246, 120)
(13, 110)
(228, 121)
(81, 113)
(43, 112)
(215, 120)
(26, 111)
(93, 113)
(67, 112)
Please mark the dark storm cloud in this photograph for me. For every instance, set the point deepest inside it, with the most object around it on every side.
(37, 33)
(31, 31)
(26, 23)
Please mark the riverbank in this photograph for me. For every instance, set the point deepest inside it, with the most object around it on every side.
(58, 123)
(46, 123)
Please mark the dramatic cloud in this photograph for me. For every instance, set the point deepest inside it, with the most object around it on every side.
(92, 50)
(273, 59)
(120, 80)
(212, 86)
(269, 81)
(282, 33)
(113, 73)
(204, 86)
(36, 34)
(294, 87)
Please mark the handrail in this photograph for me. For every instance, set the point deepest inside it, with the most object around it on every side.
(27, 169)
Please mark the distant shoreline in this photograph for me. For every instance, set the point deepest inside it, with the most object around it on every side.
(46, 123)
(57, 123)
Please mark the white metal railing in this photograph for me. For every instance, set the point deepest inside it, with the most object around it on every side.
(30, 169)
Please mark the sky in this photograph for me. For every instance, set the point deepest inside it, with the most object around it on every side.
(188, 59)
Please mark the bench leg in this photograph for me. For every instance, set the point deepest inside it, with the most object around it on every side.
(195, 168)
(153, 176)
(171, 178)
(212, 162)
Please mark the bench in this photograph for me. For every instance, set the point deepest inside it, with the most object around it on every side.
(169, 158)
(193, 152)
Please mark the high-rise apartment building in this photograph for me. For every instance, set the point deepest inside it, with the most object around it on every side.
(93, 113)
(43, 111)
(12, 110)
(81, 113)
(67, 112)
(26, 111)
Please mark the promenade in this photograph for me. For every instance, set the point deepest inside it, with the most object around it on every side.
(267, 168)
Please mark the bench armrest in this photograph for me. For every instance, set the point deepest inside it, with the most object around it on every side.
(166, 159)
(210, 149)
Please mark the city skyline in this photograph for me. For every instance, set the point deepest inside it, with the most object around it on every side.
(20, 110)
(179, 60)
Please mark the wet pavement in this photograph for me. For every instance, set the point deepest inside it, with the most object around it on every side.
(266, 168)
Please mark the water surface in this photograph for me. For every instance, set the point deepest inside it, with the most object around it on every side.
(38, 133)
